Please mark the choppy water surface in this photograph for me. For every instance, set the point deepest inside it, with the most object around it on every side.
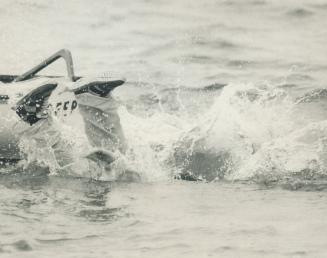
(258, 143)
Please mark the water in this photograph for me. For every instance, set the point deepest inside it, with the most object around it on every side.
(258, 144)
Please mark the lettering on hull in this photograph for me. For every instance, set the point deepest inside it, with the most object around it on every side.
(65, 107)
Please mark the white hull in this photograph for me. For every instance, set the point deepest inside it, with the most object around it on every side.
(41, 115)
(85, 114)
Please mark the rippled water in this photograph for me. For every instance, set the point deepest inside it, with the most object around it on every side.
(258, 143)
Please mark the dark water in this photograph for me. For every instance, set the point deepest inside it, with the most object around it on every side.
(260, 141)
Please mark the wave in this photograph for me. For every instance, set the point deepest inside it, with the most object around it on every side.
(238, 132)
(249, 133)
(300, 13)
